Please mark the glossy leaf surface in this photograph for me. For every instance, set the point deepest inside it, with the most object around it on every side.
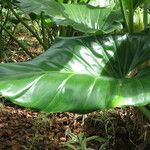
(81, 75)
(81, 17)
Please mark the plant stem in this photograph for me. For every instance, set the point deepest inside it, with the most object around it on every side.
(43, 30)
(124, 13)
(63, 31)
(5, 21)
(145, 17)
(131, 15)
(17, 41)
(145, 111)
(28, 27)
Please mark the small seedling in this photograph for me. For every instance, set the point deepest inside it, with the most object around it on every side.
(80, 141)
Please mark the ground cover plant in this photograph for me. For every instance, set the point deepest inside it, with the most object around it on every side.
(106, 58)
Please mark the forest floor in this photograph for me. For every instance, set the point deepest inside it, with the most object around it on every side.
(119, 129)
(24, 129)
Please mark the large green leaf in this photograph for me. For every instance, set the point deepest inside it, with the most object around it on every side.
(81, 75)
(81, 17)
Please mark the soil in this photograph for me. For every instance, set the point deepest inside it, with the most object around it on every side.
(24, 129)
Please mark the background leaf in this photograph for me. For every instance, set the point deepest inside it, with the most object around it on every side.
(81, 17)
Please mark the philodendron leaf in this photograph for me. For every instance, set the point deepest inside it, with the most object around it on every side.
(80, 17)
(81, 75)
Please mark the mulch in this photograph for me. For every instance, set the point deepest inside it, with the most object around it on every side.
(25, 129)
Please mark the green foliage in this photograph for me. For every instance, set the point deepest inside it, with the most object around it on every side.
(39, 26)
(129, 12)
(80, 142)
(138, 21)
(9, 22)
(81, 17)
(135, 3)
(100, 65)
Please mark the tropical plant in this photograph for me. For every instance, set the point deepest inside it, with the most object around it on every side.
(39, 26)
(81, 17)
(83, 74)
(10, 24)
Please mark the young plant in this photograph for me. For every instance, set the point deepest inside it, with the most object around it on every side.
(80, 142)
(8, 26)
